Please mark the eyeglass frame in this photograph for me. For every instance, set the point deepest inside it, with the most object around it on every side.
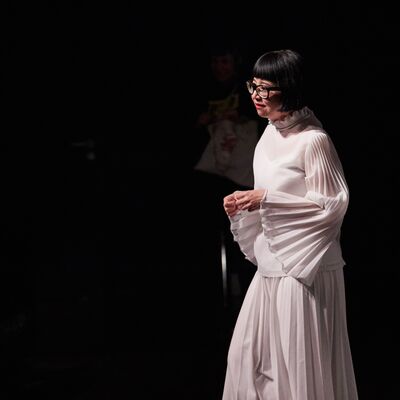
(253, 87)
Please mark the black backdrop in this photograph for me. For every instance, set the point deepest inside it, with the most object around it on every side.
(98, 278)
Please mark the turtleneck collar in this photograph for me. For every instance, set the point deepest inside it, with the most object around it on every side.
(292, 119)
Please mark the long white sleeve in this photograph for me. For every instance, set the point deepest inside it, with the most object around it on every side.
(299, 230)
(245, 227)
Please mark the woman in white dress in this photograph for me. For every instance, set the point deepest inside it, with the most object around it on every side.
(290, 341)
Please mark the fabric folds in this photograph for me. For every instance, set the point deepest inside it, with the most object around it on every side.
(290, 342)
(245, 227)
(299, 230)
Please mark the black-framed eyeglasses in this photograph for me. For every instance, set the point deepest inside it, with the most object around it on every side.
(262, 90)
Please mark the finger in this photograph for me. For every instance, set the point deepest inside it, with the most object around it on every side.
(246, 206)
(253, 207)
(230, 197)
(230, 205)
(241, 201)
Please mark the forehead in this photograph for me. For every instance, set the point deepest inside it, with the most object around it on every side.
(259, 81)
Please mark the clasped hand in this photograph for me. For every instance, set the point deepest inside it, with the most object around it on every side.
(243, 200)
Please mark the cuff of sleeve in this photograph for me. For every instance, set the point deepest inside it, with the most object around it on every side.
(245, 227)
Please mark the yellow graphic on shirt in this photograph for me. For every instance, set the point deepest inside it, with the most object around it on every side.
(220, 107)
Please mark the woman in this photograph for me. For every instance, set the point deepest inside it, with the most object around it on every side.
(290, 341)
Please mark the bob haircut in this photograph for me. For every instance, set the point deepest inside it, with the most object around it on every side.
(285, 69)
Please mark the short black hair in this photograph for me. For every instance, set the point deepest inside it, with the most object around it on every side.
(285, 69)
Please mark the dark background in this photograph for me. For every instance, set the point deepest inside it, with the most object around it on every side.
(103, 288)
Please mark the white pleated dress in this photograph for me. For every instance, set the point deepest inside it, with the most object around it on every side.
(290, 341)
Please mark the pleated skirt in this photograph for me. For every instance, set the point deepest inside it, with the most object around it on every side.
(290, 342)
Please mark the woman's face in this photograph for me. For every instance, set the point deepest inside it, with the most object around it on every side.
(267, 108)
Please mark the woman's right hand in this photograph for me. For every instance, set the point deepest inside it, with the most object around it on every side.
(230, 206)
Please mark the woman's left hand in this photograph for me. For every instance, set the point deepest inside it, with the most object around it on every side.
(249, 199)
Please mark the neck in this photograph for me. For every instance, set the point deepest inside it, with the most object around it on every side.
(280, 115)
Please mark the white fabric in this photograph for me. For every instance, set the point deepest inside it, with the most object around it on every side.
(235, 164)
(290, 341)
(296, 231)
